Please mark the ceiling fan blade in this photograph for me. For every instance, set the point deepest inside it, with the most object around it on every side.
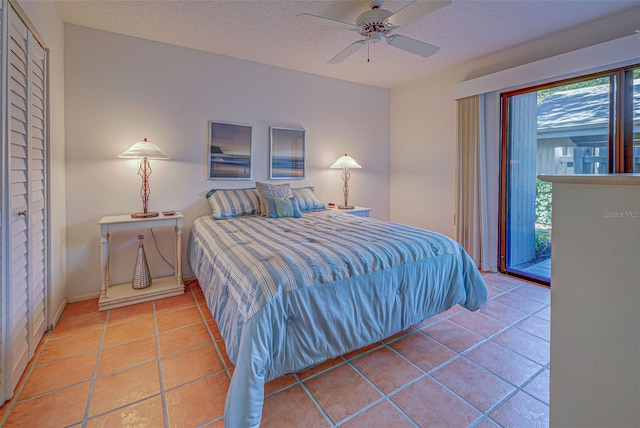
(326, 21)
(412, 45)
(415, 10)
(348, 51)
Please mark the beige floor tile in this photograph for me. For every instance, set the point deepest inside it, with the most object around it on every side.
(130, 313)
(291, 408)
(199, 295)
(538, 293)
(120, 357)
(184, 367)
(431, 320)
(3, 409)
(193, 285)
(179, 318)
(536, 326)
(493, 291)
(452, 311)
(430, 405)
(59, 374)
(353, 354)
(223, 351)
(504, 313)
(206, 313)
(125, 387)
(326, 365)
(67, 346)
(172, 303)
(423, 351)
(397, 371)
(525, 344)
(502, 282)
(505, 363)
(183, 338)
(213, 327)
(79, 323)
(487, 423)
(278, 383)
(61, 408)
(545, 313)
(399, 334)
(479, 323)
(453, 336)
(539, 387)
(383, 414)
(144, 414)
(522, 410)
(342, 392)
(80, 308)
(197, 403)
(132, 330)
(463, 377)
(516, 301)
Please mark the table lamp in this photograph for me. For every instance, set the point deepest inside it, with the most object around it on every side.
(345, 162)
(144, 150)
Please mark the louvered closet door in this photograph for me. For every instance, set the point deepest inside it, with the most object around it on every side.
(27, 207)
(37, 199)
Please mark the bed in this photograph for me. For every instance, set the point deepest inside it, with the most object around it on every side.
(290, 292)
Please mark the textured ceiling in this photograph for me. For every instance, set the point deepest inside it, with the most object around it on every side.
(268, 31)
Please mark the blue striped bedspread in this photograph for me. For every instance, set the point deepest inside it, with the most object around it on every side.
(288, 293)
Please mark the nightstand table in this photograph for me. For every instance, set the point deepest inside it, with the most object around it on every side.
(359, 211)
(115, 296)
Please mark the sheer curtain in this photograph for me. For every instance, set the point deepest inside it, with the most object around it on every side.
(472, 226)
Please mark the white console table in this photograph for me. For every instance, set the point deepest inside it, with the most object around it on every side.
(595, 301)
(115, 296)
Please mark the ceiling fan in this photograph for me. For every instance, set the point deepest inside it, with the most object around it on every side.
(377, 24)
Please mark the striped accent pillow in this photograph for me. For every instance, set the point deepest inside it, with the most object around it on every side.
(228, 203)
(283, 207)
(307, 199)
(267, 190)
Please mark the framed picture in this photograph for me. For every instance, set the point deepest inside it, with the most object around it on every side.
(229, 151)
(287, 153)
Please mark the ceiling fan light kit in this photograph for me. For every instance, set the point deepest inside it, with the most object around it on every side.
(377, 23)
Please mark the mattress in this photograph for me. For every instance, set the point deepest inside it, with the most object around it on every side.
(289, 293)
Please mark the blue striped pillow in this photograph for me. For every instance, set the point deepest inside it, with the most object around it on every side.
(307, 199)
(282, 207)
(228, 203)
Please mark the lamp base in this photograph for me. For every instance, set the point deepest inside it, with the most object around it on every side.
(346, 207)
(145, 215)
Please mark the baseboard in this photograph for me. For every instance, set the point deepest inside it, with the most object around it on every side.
(58, 314)
(83, 297)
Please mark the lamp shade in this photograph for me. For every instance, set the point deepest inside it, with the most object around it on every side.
(345, 161)
(143, 149)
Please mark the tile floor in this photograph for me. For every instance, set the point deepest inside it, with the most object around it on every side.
(163, 364)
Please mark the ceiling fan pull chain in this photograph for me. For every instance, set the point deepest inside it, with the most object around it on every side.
(368, 44)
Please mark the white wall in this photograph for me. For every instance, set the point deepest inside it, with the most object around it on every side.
(120, 89)
(423, 153)
(44, 16)
(423, 122)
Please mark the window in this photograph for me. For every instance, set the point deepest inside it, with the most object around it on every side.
(589, 125)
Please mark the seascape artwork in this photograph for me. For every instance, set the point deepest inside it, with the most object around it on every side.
(287, 153)
(229, 151)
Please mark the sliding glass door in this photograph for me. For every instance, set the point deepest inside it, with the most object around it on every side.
(586, 126)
